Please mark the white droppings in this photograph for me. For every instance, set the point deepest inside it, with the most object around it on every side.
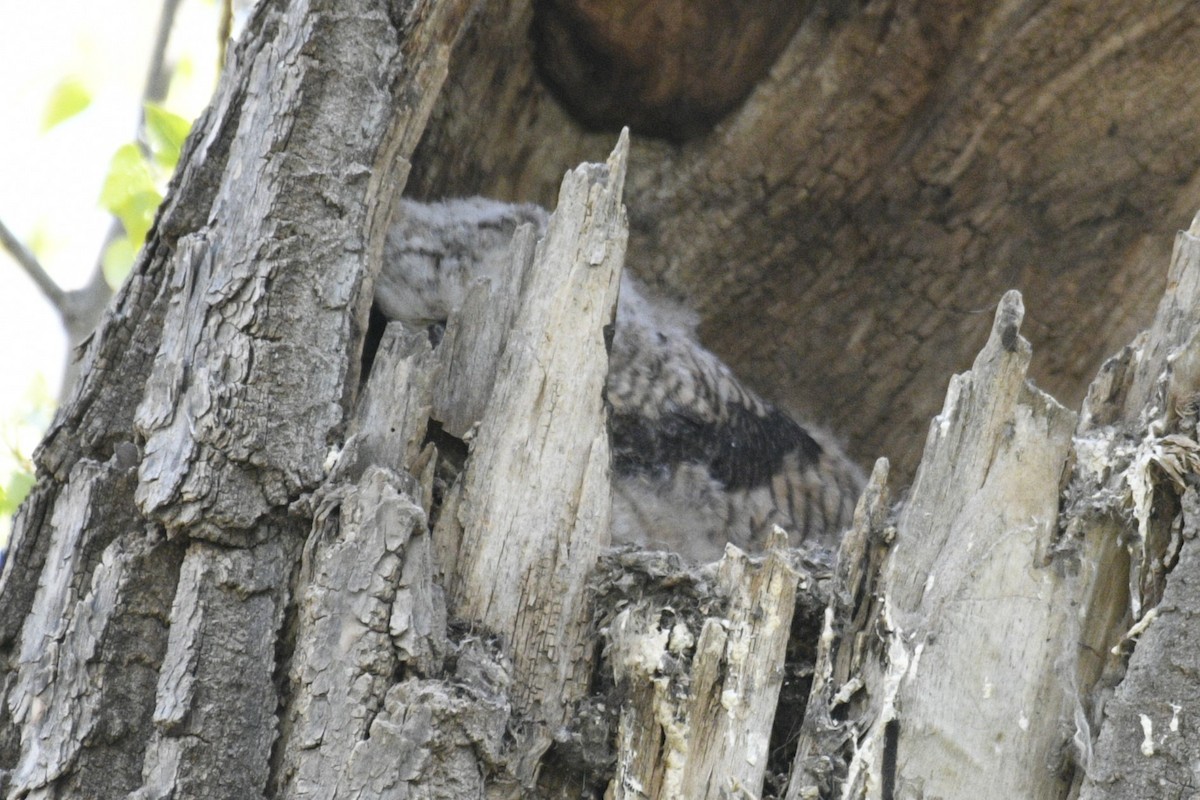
(332, 458)
(681, 639)
(1147, 735)
(1135, 631)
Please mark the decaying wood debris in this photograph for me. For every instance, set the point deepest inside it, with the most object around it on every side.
(662, 680)
(974, 635)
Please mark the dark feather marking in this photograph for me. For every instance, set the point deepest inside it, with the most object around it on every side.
(742, 451)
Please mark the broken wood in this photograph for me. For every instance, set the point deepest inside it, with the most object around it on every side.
(976, 637)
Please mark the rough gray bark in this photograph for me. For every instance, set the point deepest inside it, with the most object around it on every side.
(141, 658)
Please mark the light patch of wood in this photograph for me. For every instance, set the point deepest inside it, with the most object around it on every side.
(698, 719)
(536, 492)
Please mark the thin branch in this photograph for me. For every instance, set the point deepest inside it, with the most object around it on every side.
(224, 31)
(82, 309)
(158, 77)
(158, 80)
(33, 267)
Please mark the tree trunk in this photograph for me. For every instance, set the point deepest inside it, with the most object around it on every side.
(149, 600)
(260, 562)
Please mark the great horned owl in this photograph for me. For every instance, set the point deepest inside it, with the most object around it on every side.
(698, 458)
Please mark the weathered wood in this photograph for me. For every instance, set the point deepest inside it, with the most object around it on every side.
(537, 493)
(204, 427)
(1147, 739)
(1140, 426)
(724, 672)
(964, 691)
(390, 422)
(983, 614)
(534, 339)
(472, 351)
(703, 690)
(1006, 621)
(851, 655)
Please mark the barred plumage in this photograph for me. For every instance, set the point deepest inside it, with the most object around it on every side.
(698, 458)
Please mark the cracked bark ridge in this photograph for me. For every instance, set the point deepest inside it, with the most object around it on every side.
(369, 613)
(158, 543)
(201, 417)
(84, 665)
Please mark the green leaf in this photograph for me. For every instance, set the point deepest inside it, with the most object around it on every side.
(67, 99)
(20, 427)
(128, 174)
(166, 132)
(137, 215)
(129, 192)
(14, 492)
(118, 260)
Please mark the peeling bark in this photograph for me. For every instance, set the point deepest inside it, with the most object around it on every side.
(160, 540)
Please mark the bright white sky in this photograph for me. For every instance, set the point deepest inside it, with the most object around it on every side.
(49, 183)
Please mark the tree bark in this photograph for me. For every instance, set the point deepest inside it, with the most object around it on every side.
(258, 563)
(146, 605)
